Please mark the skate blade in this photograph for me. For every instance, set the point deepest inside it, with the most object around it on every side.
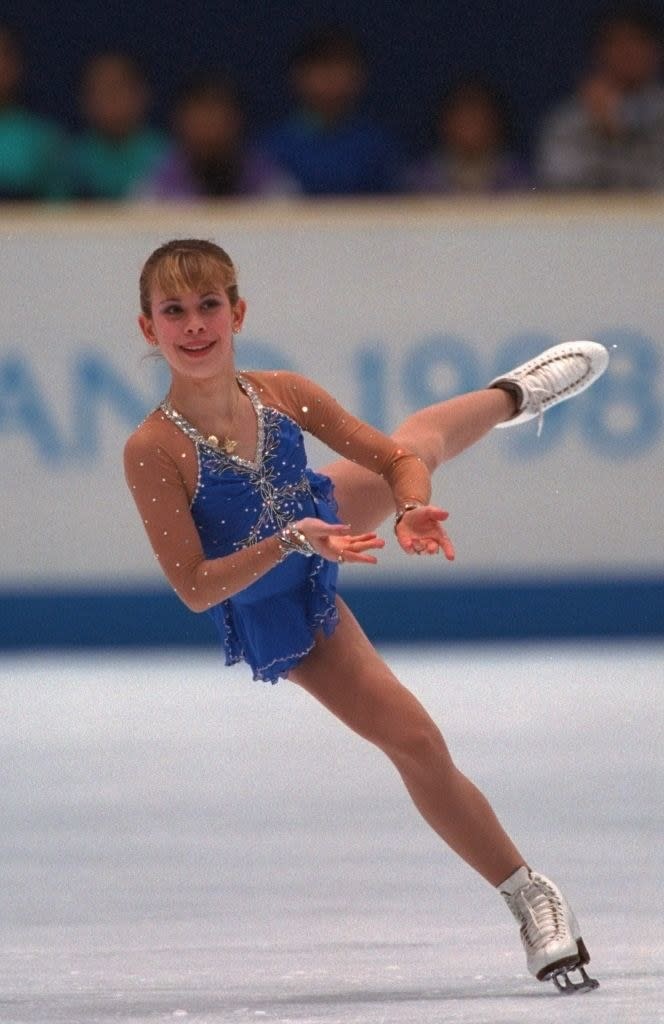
(568, 986)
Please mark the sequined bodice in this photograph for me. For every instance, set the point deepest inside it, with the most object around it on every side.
(240, 501)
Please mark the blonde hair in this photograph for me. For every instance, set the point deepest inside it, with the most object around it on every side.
(187, 264)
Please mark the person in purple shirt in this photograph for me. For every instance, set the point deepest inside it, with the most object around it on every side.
(210, 156)
(472, 154)
(328, 144)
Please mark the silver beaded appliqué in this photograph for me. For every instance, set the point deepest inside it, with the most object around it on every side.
(278, 502)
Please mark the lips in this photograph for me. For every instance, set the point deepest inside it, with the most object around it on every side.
(197, 350)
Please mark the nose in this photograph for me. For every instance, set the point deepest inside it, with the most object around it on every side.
(194, 324)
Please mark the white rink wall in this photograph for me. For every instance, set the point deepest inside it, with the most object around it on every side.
(390, 306)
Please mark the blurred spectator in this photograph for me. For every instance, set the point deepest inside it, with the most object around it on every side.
(33, 152)
(327, 144)
(611, 134)
(210, 156)
(118, 148)
(472, 155)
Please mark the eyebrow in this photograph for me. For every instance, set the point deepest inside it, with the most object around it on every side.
(177, 298)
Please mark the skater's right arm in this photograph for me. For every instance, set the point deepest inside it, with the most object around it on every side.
(159, 475)
(161, 469)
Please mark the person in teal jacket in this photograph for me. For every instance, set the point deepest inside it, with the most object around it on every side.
(118, 148)
(33, 149)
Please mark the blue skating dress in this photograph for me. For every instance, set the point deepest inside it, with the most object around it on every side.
(271, 624)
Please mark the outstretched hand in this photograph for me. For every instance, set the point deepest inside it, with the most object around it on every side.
(335, 542)
(419, 532)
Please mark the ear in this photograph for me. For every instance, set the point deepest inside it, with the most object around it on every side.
(147, 329)
(239, 311)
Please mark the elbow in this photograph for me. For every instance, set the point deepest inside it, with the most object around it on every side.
(193, 601)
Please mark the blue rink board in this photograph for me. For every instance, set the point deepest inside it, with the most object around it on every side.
(573, 609)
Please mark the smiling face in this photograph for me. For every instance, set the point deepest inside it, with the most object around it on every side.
(190, 306)
(193, 330)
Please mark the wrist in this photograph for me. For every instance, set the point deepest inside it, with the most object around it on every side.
(292, 541)
(407, 506)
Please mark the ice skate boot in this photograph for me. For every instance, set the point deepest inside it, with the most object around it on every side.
(549, 931)
(555, 375)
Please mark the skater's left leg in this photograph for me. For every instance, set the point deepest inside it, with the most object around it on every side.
(347, 676)
(437, 434)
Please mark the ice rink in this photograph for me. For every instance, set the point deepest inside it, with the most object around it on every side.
(181, 843)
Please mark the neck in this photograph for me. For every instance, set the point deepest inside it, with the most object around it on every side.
(214, 399)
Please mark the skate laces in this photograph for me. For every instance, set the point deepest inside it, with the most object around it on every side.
(540, 912)
(551, 380)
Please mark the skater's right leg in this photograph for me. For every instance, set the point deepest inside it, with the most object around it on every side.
(440, 432)
(437, 434)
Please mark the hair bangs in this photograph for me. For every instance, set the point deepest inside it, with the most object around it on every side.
(191, 271)
(187, 265)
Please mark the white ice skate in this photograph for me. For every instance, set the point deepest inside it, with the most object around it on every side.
(549, 931)
(555, 375)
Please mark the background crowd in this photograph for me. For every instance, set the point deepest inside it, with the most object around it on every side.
(608, 134)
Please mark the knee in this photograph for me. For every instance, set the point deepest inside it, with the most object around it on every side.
(418, 744)
(427, 445)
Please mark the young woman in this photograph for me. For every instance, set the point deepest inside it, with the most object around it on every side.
(243, 529)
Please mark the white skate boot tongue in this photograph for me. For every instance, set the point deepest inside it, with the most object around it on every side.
(516, 881)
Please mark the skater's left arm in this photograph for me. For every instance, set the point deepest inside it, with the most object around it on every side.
(418, 527)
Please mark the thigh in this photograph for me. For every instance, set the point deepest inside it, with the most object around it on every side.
(363, 497)
(347, 675)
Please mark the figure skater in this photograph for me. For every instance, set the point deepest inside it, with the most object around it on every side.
(245, 530)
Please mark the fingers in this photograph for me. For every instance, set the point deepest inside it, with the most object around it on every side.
(427, 513)
(335, 542)
(448, 548)
(354, 556)
(358, 542)
(431, 545)
(420, 533)
(354, 549)
(363, 542)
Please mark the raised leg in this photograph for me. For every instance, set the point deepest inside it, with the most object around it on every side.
(437, 434)
(348, 677)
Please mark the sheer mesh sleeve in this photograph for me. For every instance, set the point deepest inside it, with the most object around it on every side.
(161, 468)
(317, 412)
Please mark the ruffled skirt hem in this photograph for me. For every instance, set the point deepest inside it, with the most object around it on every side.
(279, 668)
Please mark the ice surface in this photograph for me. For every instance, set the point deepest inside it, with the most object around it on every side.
(181, 843)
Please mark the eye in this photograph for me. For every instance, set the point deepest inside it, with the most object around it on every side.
(172, 309)
(210, 303)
